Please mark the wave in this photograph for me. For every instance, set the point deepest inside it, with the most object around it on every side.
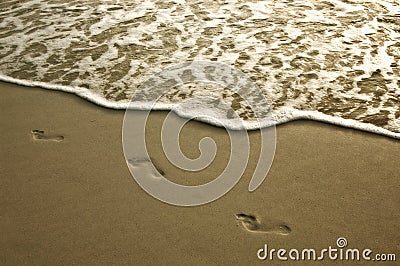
(335, 61)
(289, 114)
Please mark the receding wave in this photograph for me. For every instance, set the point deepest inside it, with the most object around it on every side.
(336, 61)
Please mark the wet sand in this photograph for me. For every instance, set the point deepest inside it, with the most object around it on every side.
(66, 194)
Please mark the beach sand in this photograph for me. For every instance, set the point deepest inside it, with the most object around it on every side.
(67, 196)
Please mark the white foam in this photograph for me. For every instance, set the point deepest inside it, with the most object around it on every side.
(347, 36)
(285, 115)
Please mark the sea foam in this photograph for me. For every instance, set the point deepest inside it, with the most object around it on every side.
(333, 61)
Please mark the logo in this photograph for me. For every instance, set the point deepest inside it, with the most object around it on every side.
(341, 253)
(219, 94)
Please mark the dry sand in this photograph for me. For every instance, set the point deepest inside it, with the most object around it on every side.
(66, 195)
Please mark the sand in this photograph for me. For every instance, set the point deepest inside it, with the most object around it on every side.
(66, 194)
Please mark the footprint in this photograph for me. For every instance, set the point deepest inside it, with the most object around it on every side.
(40, 135)
(147, 167)
(252, 224)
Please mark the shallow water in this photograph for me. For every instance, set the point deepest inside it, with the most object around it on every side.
(337, 61)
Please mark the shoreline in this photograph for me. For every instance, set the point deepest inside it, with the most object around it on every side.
(290, 115)
(74, 200)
